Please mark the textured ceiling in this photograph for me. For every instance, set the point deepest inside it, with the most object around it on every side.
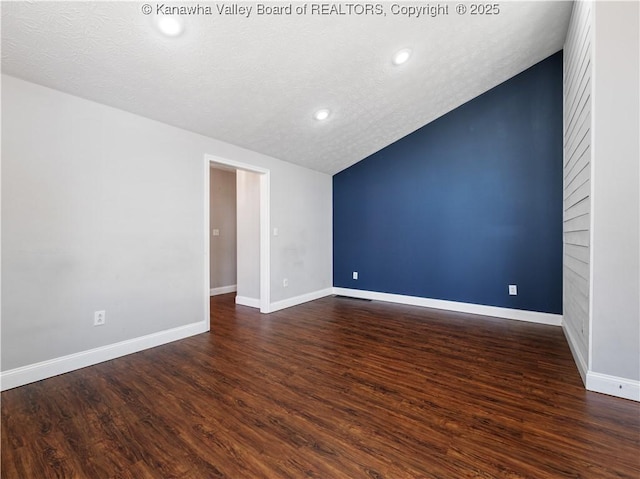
(255, 82)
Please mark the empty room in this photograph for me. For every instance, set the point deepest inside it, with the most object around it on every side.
(320, 240)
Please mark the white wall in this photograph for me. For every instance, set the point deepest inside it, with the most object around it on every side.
(300, 239)
(248, 219)
(576, 267)
(615, 349)
(102, 209)
(222, 217)
(602, 216)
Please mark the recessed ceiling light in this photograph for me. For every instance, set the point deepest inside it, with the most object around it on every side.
(169, 25)
(402, 56)
(321, 115)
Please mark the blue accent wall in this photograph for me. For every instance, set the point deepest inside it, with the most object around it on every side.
(464, 206)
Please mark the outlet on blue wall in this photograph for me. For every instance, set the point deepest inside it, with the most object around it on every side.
(464, 206)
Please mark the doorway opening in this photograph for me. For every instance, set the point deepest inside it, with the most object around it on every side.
(253, 209)
(223, 236)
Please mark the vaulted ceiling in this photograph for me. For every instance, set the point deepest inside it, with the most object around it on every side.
(255, 81)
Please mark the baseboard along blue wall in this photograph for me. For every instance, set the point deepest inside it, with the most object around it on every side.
(464, 206)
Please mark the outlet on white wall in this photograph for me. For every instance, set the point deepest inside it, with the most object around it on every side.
(285, 282)
(99, 318)
(513, 290)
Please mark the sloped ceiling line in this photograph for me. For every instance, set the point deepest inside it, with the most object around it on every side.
(255, 82)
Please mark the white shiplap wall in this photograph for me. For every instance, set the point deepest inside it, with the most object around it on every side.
(577, 180)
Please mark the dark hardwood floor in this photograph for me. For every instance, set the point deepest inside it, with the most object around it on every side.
(336, 388)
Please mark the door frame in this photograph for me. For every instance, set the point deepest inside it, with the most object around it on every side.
(265, 215)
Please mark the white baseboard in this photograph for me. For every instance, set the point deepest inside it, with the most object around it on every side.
(613, 386)
(597, 382)
(507, 313)
(251, 302)
(223, 290)
(303, 298)
(580, 361)
(53, 367)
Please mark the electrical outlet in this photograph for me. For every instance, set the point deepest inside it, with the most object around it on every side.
(216, 232)
(285, 282)
(99, 318)
(513, 290)
(355, 275)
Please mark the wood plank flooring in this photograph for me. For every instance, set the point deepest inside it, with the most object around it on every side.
(336, 388)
